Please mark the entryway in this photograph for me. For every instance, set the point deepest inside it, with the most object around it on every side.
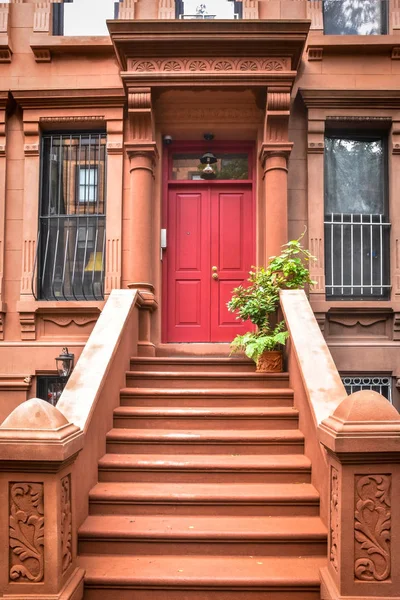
(211, 248)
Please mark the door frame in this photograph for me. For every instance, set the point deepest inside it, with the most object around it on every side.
(199, 147)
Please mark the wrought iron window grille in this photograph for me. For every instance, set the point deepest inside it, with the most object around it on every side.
(376, 383)
(70, 256)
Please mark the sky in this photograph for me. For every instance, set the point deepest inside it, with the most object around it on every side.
(80, 19)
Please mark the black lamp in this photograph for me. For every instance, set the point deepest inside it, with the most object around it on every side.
(65, 364)
(208, 159)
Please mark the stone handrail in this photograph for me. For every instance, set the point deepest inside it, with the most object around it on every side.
(49, 460)
(315, 380)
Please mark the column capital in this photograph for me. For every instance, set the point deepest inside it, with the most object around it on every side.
(275, 150)
(142, 150)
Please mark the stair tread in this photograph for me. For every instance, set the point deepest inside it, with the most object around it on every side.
(207, 462)
(202, 435)
(204, 527)
(206, 375)
(225, 412)
(205, 492)
(190, 360)
(211, 571)
(225, 392)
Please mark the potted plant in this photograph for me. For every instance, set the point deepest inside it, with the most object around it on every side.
(259, 303)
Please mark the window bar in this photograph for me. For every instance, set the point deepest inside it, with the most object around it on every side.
(64, 265)
(332, 263)
(94, 258)
(35, 267)
(97, 187)
(45, 258)
(85, 257)
(55, 257)
(352, 252)
(75, 257)
(341, 253)
(381, 249)
(102, 278)
(362, 256)
(371, 255)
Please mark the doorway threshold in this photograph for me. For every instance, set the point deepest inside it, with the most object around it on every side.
(194, 349)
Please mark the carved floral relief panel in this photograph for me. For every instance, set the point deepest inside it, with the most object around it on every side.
(334, 519)
(202, 65)
(66, 523)
(372, 527)
(26, 532)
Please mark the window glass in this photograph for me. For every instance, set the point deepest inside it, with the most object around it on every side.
(228, 166)
(87, 17)
(209, 9)
(354, 176)
(355, 17)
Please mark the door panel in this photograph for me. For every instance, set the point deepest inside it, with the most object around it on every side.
(188, 284)
(232, 243)
(210, 232)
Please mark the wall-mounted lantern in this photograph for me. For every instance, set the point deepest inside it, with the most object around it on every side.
(65, 364)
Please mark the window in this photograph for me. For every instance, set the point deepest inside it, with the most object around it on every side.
(78, 17)
(71, 240)
(228, 166)
(49, 388)
(208, 9)
(376, 383)
(355, 17)
(356, 218)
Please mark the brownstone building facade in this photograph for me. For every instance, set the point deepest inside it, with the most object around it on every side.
(100, 185)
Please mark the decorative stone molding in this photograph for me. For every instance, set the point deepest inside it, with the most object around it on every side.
(334, 519)
(199, 114)
(2, 319)
(3, 104)
(250, 9)
(70, 99)
(372, 527)
(359, 323)
(27, 322)
(395, 13)
(315, 53)
(141, 137)
(396, 327)
(166, 9)
(26, 532)
(396, 53)
(276, 124)
(15, 383)
(314, 12)
(126, 9)
(42, 17)
(219, 65)
(5, 48)
(66, 523)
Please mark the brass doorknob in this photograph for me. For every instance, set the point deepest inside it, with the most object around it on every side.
(215, 275)
(214, 269)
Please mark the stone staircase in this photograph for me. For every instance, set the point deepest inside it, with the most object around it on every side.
(204, 493)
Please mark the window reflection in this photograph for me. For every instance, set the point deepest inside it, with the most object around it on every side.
(355, 17)
(228, 166)
(209, 9)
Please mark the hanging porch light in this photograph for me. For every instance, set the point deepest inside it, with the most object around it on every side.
(65, 364)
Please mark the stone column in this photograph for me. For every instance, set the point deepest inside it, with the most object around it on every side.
(274, 157)
(362, 439)
(143, 240)
(38, 538)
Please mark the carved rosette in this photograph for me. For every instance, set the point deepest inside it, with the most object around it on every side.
(202, 65)
(26, 531)
(372, 527)
(66, 523)
(334, 521)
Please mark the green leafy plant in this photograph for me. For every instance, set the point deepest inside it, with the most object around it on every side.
(259, 301)
(253, 344)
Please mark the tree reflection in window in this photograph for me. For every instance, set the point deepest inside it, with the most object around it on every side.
(355, 17)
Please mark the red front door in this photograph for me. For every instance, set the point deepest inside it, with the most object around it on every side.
(210, 251)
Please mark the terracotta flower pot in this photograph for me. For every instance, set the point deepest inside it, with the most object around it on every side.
(270, 362)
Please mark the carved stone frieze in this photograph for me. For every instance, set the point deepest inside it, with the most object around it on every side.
(26, 532)
(221, 64)
(372, 527)
(80, 321)
(82, 118)
(334, 519)
(360, 323)
(141, 121)
(66, 523)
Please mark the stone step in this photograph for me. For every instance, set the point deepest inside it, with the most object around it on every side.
(174, 441)
(226, 536)
(229, 499)
(201, 577)
(205, 380)
(205, 417)
(198, 468)
(200, 397)
(192, 363)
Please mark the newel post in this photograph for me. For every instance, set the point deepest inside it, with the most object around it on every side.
(362, 439)
(38, 448)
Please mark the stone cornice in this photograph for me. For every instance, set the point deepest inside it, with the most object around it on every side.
(207, 40)
(45, 46)
(339, 99)
(70, 98)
